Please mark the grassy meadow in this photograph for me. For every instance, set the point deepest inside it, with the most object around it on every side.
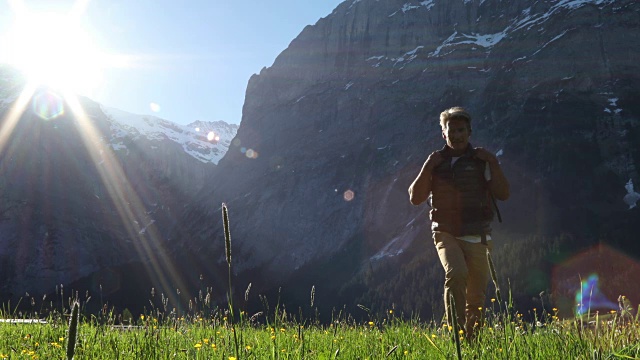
(212, 335)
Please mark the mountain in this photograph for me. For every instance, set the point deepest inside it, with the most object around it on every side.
(316, 176)
(86, 188)
(340, 124)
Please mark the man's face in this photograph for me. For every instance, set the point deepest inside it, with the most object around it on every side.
(457, 135)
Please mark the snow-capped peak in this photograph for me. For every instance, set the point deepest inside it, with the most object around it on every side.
(205, 141)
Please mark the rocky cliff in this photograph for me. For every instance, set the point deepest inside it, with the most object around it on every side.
(340, 124)
(332, 135)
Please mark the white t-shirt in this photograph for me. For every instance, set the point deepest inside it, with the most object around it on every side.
(487, 176)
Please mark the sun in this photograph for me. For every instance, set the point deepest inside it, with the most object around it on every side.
(54, 50)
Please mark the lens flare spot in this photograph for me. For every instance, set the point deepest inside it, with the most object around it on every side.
(243, 150)
(154, 107)
(48, 105)
(589, 297)
(607, 274)
(197, 129)
(348, 195)
(251, 154)
(211, 136)
(236, 142)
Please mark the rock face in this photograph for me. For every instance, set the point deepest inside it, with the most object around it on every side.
(84, 188)
(339, 126)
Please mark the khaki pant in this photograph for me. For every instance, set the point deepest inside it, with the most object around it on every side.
(466, 276)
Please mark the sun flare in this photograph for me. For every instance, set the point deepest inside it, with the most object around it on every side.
(53, 49)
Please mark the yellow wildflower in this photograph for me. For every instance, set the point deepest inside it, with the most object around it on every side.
(371, 323)
(198, 346)
(248, 347)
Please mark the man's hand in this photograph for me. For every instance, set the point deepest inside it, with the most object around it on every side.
(485, 155)
(433, 160)
(421, 186)
(498, 184)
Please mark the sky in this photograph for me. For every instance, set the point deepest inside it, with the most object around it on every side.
(179, 60)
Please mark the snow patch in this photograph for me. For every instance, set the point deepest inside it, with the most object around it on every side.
(484, 40)
(409, 7)
(632, 197)
(550, 41)
(428, 4)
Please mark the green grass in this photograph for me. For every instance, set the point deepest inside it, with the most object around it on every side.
(283, 336)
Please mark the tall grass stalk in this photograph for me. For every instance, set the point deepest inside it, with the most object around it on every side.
(494, 277)
(227, 246)
(454, 321)
(73, 330)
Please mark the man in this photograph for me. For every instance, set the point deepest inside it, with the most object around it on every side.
(461, 180)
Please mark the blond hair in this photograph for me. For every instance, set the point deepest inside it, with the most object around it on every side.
(455, 112)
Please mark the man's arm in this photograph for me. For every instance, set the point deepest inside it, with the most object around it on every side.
(421, 186)
(498, 184)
